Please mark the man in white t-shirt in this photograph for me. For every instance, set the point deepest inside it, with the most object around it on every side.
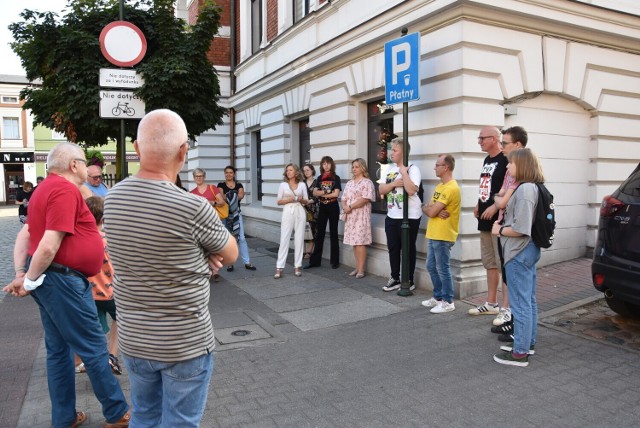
(399, 178)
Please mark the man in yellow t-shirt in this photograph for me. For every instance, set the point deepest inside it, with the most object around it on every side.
(443, 210)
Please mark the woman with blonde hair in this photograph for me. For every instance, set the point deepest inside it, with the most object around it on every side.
(520, 256)
(292, 195)
(356, 205)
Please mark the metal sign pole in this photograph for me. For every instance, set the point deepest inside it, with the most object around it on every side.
(404, 232)
(123, 134)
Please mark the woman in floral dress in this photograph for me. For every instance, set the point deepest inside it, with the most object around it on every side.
(356, 205)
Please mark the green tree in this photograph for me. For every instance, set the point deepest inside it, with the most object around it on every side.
(65, 54)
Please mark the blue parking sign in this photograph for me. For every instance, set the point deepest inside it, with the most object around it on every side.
(402, 69)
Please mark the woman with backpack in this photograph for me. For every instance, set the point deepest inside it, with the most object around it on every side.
(520, 256)
(234, 193)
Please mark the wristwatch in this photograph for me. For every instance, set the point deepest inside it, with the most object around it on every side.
(500, 233)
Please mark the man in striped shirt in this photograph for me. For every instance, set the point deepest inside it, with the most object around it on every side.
(164, 245)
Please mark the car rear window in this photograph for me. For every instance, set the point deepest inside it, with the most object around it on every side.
(631, 186)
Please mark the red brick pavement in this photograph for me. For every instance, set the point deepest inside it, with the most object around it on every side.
(558, 285)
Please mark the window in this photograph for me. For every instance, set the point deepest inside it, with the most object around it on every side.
(256, 25)
(380, 134)
(304, 140)
(10, 128)
(257, 139)
(9, 100)
(300, 9)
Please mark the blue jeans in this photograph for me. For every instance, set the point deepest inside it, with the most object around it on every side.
(70, 323)
(439, 268)
(168, 394)
(242, 242)
(521, 277)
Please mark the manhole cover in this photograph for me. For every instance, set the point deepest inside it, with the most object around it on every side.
(241, 333)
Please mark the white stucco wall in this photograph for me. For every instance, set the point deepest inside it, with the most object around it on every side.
(567, 70)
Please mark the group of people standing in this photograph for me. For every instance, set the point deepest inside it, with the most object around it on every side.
(314, 201)
(505, 210)
(228, 194)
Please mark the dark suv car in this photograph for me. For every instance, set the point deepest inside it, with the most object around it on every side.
(616, 259)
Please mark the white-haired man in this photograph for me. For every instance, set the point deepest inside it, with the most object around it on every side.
(55, 252)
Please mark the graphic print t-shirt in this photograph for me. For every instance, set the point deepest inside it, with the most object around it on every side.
(491, 178)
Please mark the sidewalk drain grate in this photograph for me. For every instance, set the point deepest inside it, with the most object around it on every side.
(241, 333)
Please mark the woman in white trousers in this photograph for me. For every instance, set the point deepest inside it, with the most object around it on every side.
(292, 195)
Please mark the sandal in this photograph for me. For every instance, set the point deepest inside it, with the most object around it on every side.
(297, 271)
(278, 274)
(81, 417)
(307, 256)
(360, 275)
(80, 368)
(353, 272)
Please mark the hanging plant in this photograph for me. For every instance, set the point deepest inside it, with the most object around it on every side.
(94, 157)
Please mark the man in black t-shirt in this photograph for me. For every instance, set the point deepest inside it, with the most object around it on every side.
(493, 171)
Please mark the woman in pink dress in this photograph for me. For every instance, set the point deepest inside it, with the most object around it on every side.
(356, 206)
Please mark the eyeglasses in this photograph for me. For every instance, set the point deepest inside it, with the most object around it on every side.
(483, 137)
(504, 143)
(81, 160)
(441, 164)
(198, 176)
(95, 177)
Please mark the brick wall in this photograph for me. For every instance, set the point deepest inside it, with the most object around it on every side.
(225, 15)
(220, 51)
(272, 19)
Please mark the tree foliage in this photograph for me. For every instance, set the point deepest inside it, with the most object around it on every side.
(64, 52)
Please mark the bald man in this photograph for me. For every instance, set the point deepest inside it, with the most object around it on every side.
(165, 244)
(492, 175)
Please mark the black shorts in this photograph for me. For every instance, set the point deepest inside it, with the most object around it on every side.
(107, 306)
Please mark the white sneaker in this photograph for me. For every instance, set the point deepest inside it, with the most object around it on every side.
(503, 316)
(429, 303)
(392, 284)
(443, 307)
(485, 309)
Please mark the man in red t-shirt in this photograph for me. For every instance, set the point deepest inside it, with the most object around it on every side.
(54, 253)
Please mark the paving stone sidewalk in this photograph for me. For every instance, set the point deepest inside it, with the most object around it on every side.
(325, 350)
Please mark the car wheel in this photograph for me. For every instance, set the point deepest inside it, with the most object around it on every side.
(623, 308)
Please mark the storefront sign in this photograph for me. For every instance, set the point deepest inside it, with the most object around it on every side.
(14, 157)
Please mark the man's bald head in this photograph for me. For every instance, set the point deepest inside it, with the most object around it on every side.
(160, 135)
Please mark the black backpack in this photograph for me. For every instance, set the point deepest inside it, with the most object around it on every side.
(544, 219)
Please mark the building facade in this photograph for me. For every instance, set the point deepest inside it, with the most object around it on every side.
(305, 78)
(17, 158)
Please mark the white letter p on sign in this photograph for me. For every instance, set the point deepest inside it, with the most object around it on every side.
(400, 50)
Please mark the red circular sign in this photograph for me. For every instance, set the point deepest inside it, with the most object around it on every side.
(123, 44)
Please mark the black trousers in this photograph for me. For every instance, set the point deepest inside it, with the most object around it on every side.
(331, 213)
(393, 229)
